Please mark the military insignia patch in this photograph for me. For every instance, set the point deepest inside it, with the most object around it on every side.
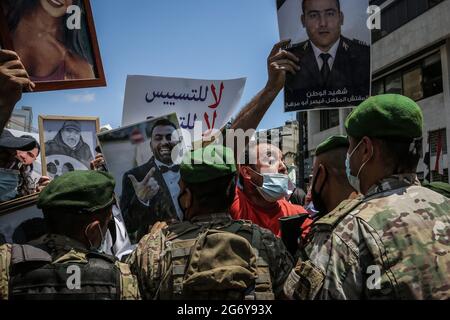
(345, 45)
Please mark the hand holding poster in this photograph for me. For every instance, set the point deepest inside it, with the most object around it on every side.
(211, 103)
(331, 39)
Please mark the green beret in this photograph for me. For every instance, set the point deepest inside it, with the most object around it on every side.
(206, 164)
(439, 187)
(85, 191)
(332, 143)
(388, 115)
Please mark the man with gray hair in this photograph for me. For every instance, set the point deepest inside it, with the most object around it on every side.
(69, 142)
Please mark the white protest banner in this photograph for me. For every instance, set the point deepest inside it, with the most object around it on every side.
(209, 102)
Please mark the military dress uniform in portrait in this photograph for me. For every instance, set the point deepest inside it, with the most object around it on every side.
(345, 69)
(330, 40)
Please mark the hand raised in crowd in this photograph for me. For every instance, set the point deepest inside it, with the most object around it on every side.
(147, 188)
(279, 63)
(14, 80)
(42, 183)
(98, 163)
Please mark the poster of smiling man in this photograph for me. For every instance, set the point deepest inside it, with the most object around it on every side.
(331, 40)
(143, 158)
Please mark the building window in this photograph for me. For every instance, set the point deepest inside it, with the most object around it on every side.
(393, 83)
(399, 13)
(432, 75)
(412, 83)
(329, 119)
(377, 87)
(419, 80)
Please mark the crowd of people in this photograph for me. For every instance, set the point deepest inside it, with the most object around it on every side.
(369, 230)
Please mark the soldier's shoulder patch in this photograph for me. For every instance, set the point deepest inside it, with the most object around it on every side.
(333, 218)
(359, 43)
(345, 45)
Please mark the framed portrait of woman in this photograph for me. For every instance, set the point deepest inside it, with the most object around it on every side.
(56, 41)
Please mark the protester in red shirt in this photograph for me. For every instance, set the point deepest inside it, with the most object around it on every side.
(264, 187)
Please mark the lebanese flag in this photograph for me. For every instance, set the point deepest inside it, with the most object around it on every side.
(439, 165)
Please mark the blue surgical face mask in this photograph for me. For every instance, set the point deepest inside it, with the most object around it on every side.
(355, 182)
(275, 186)
(9, 181)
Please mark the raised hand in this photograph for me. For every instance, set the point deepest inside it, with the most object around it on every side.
(147, 188)
(279, 63)
(14, 80)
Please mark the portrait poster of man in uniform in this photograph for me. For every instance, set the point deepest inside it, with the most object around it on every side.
(331, 40)
(69, 143)
(141, 158)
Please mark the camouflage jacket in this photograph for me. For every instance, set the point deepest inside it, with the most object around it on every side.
(65, 250)
(394, 243)
(158, 253)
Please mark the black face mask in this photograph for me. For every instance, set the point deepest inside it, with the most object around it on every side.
(317, 200)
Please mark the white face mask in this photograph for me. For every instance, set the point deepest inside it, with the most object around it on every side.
(355, 182)
(102, 245)
(275, 186)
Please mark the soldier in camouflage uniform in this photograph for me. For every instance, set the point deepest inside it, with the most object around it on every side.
(77, 208)
(210, 256)
(393, 242)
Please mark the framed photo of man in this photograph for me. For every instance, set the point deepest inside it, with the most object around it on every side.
(144, 159)
(332, 42)
(68, 143)
(56, 41)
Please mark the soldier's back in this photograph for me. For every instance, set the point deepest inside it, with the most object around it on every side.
(57, 268)
(411, 240)
(211, 258)
(399, 234)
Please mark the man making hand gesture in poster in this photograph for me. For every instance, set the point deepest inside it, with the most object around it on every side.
(150, 191)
